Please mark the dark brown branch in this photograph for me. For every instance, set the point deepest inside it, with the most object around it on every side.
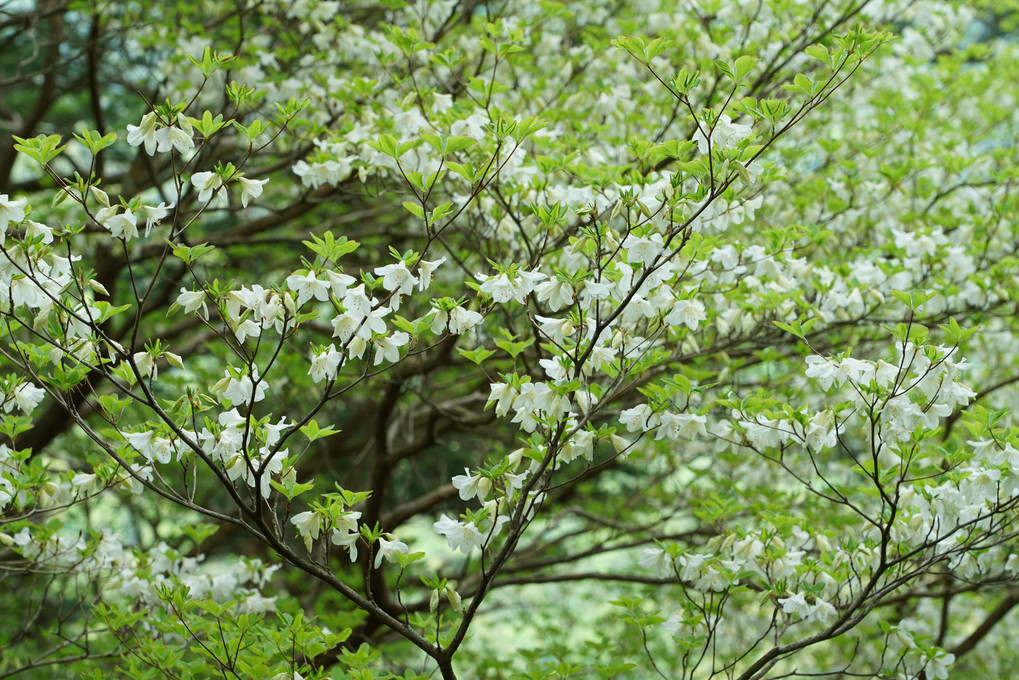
(985, 627)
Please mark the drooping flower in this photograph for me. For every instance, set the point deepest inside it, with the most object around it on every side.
(389, 549)
(144, 133)
(325, 364)
(308, 526)
(250, 188)
(179, 136)
(26, 397)
(462, 536)
(192, 301)
(153, 214)
(796, 605)
(388, 348)
(11, 212)
(471, 486)
(207, 183)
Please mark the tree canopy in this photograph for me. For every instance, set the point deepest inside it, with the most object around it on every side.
(508, 340)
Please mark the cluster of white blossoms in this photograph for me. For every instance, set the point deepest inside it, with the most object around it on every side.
(477, 529)
(122, 222)
(157, 135)
(723, 134)
(614, 278)
(137, 577)
(243, 446)
(465, 535)
(30, 277)
(19, 394)
(668, 425)
(249, 311)
(209, 184)
(530, 402)
(341, 524)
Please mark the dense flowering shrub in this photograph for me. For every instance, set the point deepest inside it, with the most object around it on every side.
(712, 304)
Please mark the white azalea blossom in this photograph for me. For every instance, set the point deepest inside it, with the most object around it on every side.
(701, 310)
(325, 364)
(388, 549)
(250, 188)
(207, 184)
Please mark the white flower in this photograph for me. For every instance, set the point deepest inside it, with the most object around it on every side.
(273, 432)
(640, 417)
(388, 348)
(937, 667)
(85, 483)
(724, 135)
(821, 433)
(373, 322)
(207, 183)
(460, 536)
(192, 301)
(250, 188)
(347, 521)
(425, 269)
(397, 279)
(686, 425)
(503, 289)
(388, 550)
(556, 293)
(145, 133)
(33, 229)
(243, 390)
(643, 249)
(356, 347)
(346, 540)
(556, 329)
(345, 325)
(153, 214)
(688, 312)
(357, 302)
(470, 485)
(308, 286)
(339, 283)
(657, 558)
(141, 442)
(26, 397)
(797, 605)
(146, 364)
(325, 364)
(308, 526)
(245, 329)
(503, 395)
(462, 320)
(825, 370)
(11, 212)
(178, 136)
(823, 612)
(121, 225)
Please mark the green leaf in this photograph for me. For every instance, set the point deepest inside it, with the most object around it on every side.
(476, 356)
(313, 432)
(95, 142)
(414, 209)
(742, 67)
(41, 149)
(190, 255)
(289, 488)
